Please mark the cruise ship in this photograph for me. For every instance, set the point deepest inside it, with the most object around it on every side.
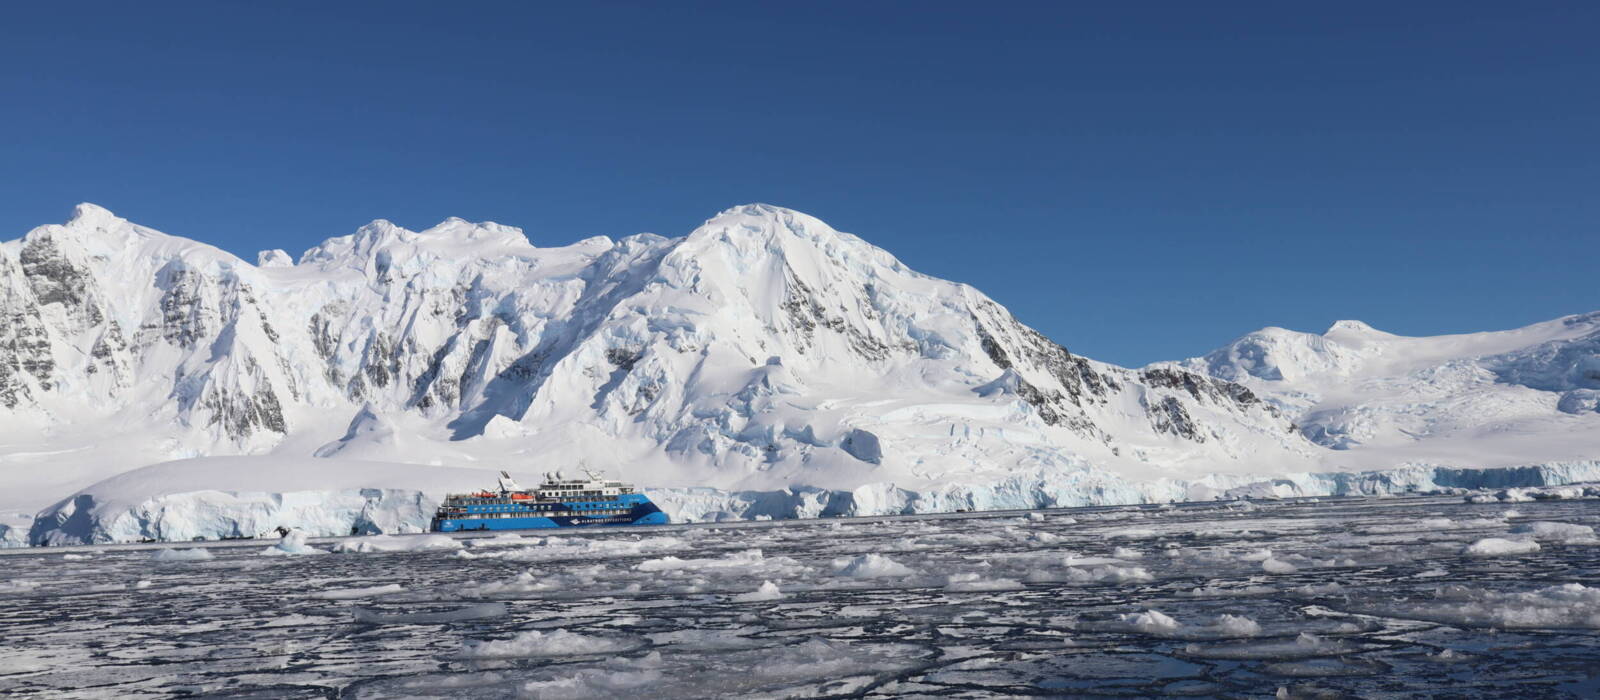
(558, 502)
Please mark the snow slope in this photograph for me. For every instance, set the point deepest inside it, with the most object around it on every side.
(1479, 399)
(763, 364)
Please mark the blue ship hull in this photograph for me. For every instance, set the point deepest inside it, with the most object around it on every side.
(635, 510)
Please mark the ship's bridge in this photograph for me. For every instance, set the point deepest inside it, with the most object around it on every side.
(559, 488)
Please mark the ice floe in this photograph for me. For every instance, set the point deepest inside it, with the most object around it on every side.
(1499, 547)
(196, 554)
(767, 591)
(871, 566)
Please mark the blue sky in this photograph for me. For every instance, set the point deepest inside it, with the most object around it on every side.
(1140, 181)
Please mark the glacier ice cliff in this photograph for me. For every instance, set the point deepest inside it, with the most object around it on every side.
(217, 515)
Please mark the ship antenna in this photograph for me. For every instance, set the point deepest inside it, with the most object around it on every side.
(583, 466)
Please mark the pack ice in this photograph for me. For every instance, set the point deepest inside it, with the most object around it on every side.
(154, 387)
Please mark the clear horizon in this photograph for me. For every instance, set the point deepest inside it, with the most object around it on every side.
(1139, 184)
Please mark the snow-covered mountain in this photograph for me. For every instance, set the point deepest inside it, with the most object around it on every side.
(1480, 399)
(763, 353)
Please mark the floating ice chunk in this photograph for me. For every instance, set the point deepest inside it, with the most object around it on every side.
(1316, 590)
(77, 557)
(593, 683)
(1431, 525)
(701, 640)
(1226, 592)
(292, 543)
(1038, 537)
(1559, 532)
(767, 591)
(1075, 560)
(536, 643)
(353, 593)
(750, 561)
(1542, 493)
(1306, 645)
(578, 579)
(561, 548)
(18, 586)
(103, 588)
(809, 661)
(391, 543)
(968, 582)
(196, 554)
(1098, 574)
(1036, 517)
(1133, 533)
(1320, 668)
(1157, 624)
(1119, 574)
(470, 612)
(1274, 565)
(1499, 546)
(525, 582)
(1567, 606)
(871, 566)
(1237, 626)
(1152, 622)
(501, 540)
(1126, 553)
(1256, 555)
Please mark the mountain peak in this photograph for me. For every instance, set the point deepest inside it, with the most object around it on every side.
(770, 224)
(92, 216)
(754, 209)
(764, 216)
(378, 228)
(458, 228)
(453, 238)
(276, 257)
(1352, 327)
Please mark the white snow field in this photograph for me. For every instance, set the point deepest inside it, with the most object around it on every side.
(154, 387)
(1375, 598)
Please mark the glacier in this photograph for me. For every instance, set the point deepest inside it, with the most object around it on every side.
(120, 512)
(763, 365)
